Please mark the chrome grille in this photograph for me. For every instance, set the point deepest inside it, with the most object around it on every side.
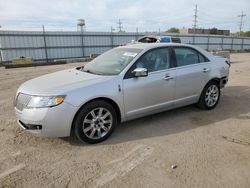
(22, 101)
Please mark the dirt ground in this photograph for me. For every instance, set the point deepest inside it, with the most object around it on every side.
(210, 148)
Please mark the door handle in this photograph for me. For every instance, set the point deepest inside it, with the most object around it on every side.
(205, 70)
(168, 78)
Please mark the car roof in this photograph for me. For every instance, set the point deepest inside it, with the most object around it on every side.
(158, 37)
(146, 46)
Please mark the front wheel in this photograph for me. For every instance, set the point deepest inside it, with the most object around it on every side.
(210, 96)
(95, 122)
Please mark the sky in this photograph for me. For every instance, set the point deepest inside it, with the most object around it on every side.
(101, 15)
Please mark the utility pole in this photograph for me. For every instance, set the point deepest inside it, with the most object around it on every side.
(112, 37)
(242, 15)
(120, 25)
(195, 19)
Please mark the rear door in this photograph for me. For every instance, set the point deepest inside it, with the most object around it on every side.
(192, 74)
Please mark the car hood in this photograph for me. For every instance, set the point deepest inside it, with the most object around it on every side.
(60, 82)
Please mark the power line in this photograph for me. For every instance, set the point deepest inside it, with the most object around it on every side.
(241, 20)
(195, 19)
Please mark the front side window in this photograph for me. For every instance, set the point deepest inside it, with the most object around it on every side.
(154, 60)
(112, 62)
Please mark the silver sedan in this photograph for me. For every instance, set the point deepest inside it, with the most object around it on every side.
(124, 83)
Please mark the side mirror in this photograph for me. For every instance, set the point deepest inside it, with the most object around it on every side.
(140, 72)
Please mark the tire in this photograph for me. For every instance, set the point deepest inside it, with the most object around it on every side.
(95, 122)
(210, 96)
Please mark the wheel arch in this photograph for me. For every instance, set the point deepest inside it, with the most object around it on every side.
(108, 100)
(215, 79)
(200, 103)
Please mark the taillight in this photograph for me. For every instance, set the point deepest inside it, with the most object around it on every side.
(228, 62)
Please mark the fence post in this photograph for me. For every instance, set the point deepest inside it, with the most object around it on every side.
(1, 58)
(45, 45)
(194, 39)
(82, 43)
(232, 43)
(112, 38)
(242, 43)
(208, 41)
(222, 42)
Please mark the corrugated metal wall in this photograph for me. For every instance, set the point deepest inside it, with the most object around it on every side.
(60, 45)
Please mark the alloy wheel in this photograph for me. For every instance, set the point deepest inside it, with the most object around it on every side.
(97, 123)
(212, 95)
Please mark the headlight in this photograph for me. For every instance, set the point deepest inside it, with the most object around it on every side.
(41, 102)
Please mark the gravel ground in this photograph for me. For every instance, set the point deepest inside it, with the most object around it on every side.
(209, 148)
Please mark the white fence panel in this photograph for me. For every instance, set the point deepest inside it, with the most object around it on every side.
(80, 44)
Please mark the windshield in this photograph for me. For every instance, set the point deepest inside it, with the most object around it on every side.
(111, 62)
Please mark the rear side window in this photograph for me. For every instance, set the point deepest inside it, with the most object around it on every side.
(202, 58)
(188, 56)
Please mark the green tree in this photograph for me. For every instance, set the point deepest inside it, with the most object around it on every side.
(173, 30)
(242, 34)
(213, 31)
(246, 34)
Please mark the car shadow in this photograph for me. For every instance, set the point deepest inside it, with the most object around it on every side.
(234, 103)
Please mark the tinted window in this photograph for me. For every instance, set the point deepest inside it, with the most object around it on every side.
(176, 40)
(154, 60)
(148, 40)
(186, 56)
(165, 39)
(202, 58)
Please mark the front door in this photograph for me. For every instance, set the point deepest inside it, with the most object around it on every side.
(145, 95)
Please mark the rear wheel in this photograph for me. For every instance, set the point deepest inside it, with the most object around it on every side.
(95, 122)
(210, 96)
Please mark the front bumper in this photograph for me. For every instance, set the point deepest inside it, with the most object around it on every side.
(49, 122)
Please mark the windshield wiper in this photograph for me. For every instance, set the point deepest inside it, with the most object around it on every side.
(88, 71)
(91, 72)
